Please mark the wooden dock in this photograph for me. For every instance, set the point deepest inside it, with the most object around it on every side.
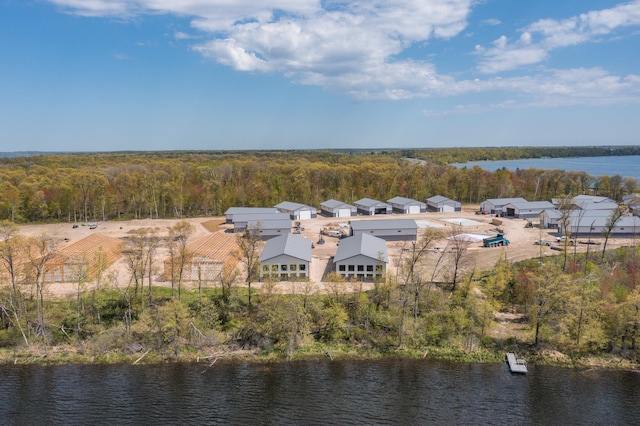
(516, 365)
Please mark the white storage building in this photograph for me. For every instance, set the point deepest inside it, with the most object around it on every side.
(297, 211)
(496, 205)
(438, 203)
(335, 208)
(370, 207)
(526, 209)
(407, 205)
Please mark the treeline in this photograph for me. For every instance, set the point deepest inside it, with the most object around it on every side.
(90, 187)
(463, 155)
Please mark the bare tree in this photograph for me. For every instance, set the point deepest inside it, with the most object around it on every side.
(139, 252)
(228, 278)
(10, 245)
(180, 256)
(566, 209)
(39, 250)
(409, 268)
(249, 245)
(612, 221)
(457, 253)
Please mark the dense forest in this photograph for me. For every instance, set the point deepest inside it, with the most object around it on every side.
(112, 186)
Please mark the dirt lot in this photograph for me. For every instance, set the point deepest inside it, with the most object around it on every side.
(521, 237)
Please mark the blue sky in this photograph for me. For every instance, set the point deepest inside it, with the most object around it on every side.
(105, 75)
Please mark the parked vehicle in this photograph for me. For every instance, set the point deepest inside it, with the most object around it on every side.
(542, 242)
(563, 238)
(336, 234)
(498, 240)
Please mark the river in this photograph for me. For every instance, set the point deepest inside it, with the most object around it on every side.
(625, 166)
(381, 392)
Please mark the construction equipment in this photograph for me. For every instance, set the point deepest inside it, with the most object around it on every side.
(498, 240)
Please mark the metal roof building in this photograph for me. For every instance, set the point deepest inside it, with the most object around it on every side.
(286, 257)
(594, 225)
(240, 221)
(362, 257)
(370, 207)
(297, 211)
(232, 211)
(496, 205)
(387, 229)
(527, 208)
(271, 228)
(438, 203)
(407, 205)
(335, 208)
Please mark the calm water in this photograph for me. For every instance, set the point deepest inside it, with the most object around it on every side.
(385, 392)
(625, 166)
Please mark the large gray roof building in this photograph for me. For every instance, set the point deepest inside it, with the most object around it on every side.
(387, 229)
(362, 257)
(286, 257)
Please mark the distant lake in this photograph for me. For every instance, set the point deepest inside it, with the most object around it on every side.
(625, 166)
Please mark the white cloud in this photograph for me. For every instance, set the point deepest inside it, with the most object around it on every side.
(179, 35)
(358, 47)
(545, 35)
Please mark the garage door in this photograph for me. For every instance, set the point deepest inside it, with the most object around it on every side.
(414, 209)
(344, 212)
(305, 214)
(447, 208)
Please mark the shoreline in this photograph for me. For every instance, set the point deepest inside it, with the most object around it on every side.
(68, 355)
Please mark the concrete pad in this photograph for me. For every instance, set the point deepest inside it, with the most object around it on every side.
(463, 222)
(426, 224)
(468, 237)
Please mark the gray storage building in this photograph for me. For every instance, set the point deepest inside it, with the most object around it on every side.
(232, 211)
(363, 257)
(285, 258)
(387, 229)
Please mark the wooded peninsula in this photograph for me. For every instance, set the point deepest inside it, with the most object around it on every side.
(578, 309)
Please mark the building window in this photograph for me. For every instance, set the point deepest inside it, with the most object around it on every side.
(274, 268)
(265, 268)
(352, 268)
(342, 268)
(283, 268)
(378, 268)
(293, 267)
(303, 267)
(369, 268)
(360, 268)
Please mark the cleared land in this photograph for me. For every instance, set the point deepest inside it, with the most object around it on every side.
(521, 237)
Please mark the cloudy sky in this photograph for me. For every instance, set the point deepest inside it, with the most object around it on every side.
(102, 75)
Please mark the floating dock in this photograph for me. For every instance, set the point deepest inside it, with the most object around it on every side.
(516, 365)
